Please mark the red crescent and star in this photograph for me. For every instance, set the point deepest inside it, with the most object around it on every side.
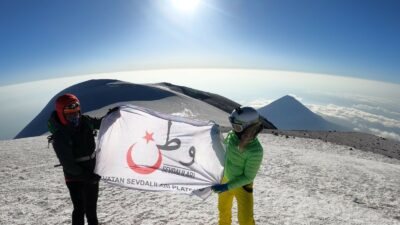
(143, 169)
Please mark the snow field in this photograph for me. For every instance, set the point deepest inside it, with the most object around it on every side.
(301, 181)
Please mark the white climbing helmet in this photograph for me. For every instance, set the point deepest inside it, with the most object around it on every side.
(243, 117)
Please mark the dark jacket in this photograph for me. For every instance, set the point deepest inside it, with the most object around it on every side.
(75, 147)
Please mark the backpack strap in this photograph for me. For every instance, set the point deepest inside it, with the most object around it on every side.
(50, 140)
(52, 128)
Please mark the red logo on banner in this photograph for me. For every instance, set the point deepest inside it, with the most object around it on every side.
(143, 169)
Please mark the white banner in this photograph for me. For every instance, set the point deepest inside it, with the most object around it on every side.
(142, 149)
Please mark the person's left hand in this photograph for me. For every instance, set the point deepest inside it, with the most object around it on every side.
(113, 110)
(219, 188)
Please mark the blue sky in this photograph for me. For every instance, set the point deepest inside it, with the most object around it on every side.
(47, 38)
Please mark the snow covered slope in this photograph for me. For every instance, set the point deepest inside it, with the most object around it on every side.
(97, 96)
(301, 181)
(289, 114)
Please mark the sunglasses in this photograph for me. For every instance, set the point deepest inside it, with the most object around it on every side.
(72, 108)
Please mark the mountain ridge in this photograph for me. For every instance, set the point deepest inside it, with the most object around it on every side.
(98, 95)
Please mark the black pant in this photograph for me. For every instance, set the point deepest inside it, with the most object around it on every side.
(84, 198)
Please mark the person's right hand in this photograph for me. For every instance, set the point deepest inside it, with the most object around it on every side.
(219, 188)
(94, 178)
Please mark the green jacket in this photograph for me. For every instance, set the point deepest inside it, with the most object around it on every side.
(241, 167)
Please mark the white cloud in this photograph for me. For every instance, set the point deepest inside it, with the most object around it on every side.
(354, 115)
(298, 98)
(376, 109)
(360, 120)
(258, 103)
(386, 134)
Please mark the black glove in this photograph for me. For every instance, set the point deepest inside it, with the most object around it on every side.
(93, 178)
(113, 110)
(96, 177)
(219, 188)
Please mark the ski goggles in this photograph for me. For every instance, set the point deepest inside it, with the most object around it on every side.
(238, 127)
(72, 108)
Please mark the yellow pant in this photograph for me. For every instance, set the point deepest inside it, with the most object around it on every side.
(244, 198)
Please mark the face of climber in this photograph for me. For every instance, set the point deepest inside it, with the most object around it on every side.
(72, 114)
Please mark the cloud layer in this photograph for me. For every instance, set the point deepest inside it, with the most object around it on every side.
(360, 120)
(363, 117)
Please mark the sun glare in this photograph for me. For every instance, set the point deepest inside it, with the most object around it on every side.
(185, 5)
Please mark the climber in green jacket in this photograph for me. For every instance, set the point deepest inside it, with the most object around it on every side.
(244, 154)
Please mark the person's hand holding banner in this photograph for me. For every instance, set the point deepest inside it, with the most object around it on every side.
(219, 188)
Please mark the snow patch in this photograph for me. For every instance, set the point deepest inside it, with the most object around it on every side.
(186, 113)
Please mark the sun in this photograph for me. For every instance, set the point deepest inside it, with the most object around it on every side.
(185, 5)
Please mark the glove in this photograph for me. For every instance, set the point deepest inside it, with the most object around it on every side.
(93, 178)
(112, 110)
(219, 188)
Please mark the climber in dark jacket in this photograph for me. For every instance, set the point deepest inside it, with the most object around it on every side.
(73, 140)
